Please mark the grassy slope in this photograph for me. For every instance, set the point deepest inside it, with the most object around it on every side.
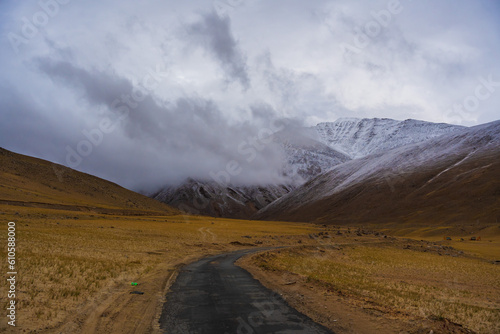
(34, 182)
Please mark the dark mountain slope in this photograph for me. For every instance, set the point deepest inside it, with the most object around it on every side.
(454, 179)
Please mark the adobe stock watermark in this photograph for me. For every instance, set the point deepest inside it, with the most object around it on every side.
(224, 7)
(11, 273)
(462, 111)
(207, 234)
(249, 150)
(254, 320)
(392, 179)
(121, 107)
(459, 113)
(365, 34)
(32, 25)
(269, 309)
(395, 176)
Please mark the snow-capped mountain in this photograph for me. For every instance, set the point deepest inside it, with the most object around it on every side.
(447, 179)
(357, 138)
(306, 157)
(312, 151)
(308, 152)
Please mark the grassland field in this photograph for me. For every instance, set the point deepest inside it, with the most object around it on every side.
(444, 286)
(75, 268)
(70, 260)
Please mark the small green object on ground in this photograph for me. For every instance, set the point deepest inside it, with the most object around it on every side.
(134, 283)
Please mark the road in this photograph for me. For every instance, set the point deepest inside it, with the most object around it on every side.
(214, 296)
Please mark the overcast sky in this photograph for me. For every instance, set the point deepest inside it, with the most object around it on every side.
(163, 90)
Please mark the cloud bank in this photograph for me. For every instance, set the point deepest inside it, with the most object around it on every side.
(147, 94)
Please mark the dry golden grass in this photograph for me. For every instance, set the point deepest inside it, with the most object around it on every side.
(488, 248)
(64, 258)
(420, 284)
(34, 182)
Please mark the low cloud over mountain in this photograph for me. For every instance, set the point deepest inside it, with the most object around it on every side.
(148, 94)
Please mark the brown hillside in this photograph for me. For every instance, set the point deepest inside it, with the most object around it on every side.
(469, 194)
(413, 187)
(27, 181)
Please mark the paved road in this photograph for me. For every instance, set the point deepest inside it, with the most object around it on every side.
(214, 296)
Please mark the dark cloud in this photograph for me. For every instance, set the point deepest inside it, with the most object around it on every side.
(25, 128)
(187, 137)
(98, 87)
(213, 32)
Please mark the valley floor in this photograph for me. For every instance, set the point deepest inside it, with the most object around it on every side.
(76, 269)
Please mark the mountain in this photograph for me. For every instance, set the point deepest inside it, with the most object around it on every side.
(305, 156)
(308, 152)
(452, 179)
(32, 182)
(311, 151)
(357, 138)
(214, 199)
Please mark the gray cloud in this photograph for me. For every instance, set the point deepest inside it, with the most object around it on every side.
(187, 137)
(213, 32)
(286, 55)
(26, 129)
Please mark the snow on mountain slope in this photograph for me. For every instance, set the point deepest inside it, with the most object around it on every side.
(305, 156)
(311, 151)
(426, 178)
(361, 137)
(308, 152)
(218, 200)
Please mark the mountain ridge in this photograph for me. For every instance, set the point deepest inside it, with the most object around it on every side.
(358, 137)
(308, 152)
(218, 200)
(426, 179)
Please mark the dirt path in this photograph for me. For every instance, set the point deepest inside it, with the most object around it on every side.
(214, 295)
(116, 310)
